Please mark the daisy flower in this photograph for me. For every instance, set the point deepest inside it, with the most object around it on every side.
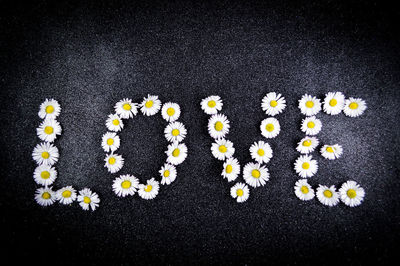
(331, 152)
(44, 175)
(150, 105)
(211, 105)
(351, 194)
(309, 105)
(303, 190)
(170, 111)
(273, 103)
(218, 126)
(176, 152)
(333, 103)
(48, 130)
(88, 199)
(114, 123)
(66, 195)
(45, 196)
(125, 185)
(255, 175)
(307, 145)
(261, 152)
(175, 132)
(240, 192)
(150, 190)
(311, 125)
(125, 108)
(110, 142)
(327, 195)
(231, 169)
(270, 127)
(45, 153)
(305, 166)
(114, 162)
(168, 174)
(354, 107)
(222, 149)
(49, 109)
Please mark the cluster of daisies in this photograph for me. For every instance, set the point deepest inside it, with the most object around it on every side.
(45, 154)
(305, 166)
(255, 174)
(174, 132)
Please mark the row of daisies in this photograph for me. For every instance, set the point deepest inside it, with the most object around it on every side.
(305, 166)
(45, 154)
(254, 174)
(174, 132)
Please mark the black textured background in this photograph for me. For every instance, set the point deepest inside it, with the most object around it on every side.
(88, 56)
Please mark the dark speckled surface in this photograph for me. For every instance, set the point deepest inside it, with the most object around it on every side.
(88, 56)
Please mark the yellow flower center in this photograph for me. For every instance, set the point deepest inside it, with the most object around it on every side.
(45, 175)
(115, 122)
(218, 126)
(87, 200)
(310, 104)
(304, 189)
(239, 192)
(328, 193)
(307, 143)
(176, 152)
(261, 152)
(211, 104)
(49, 109)
(273, 103)
(166, 173)
(45, 155)
(333, 102)
(48, 130)
(66, 194)
(305, 165)
(126, 184)
(269, 127)
(329, 149)
(46, 195)
(310, 124)
(175, 132)
(353, 105)
(228, 169)
(127, 106)
(148, 188)
(110, 141)
(111, 160)
(222, 148)
(149, 104)
(170, 111)
(255, 173)
(351, 193)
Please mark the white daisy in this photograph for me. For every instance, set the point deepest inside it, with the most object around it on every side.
(125, 185)
(231, 169)
(49, 109)
(150, 105)
(176, 152)
(307, 145)
(311, 125)
(305, 166)
(125, 108)
(45, 196)
(114, 162)
(114, 123)
(110, 142)
(175, 132)
(48, 130)
(211, 105)
(273, 103)
(222, 149)
(261, 152)
(45, 153)
(255, 175)
(218, 126)
(303, 190)
(351, 194)
(309, 105)
(150, 190)
(327, 195)
(270, 127)
(44, 175)
(168, 174)
(333, 103)
(331, 152)
(66, 195)
(354, 107)
(240, 192)
(170, 111)
(88, 199)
